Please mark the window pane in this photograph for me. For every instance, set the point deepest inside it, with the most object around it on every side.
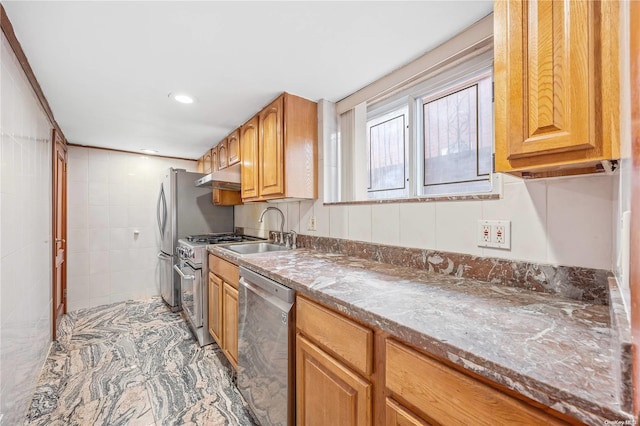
(451, 138)
(387, 154)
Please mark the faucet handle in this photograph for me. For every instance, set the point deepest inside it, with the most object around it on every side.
(294, 238)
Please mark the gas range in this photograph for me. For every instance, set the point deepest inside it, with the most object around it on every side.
(192, 249)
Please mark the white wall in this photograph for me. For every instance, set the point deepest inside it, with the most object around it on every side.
(111, 195)
(563, 221)
(25, 231)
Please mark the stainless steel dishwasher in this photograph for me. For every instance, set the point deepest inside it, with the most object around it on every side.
(265, 348)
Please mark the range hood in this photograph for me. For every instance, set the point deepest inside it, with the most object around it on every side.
(227, 179)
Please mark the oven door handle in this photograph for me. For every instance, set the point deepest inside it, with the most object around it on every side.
(186, 277)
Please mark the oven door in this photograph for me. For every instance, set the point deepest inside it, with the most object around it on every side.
(191, 285)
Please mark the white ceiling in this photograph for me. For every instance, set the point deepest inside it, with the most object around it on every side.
(106, 68)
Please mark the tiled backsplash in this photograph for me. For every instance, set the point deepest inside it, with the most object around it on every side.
(112, 195)
(569, 281)
(25, 252)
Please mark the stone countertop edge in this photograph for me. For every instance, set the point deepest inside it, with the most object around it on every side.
(554, 391)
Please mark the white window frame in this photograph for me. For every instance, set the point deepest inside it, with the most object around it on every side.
(473, 68)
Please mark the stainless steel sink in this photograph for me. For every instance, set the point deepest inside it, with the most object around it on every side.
(253, 248)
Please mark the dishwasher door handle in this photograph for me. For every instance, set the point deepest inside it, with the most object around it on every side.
(186, 277)
(265, 296)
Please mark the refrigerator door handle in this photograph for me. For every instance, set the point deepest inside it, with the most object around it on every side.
(158, 212)
(164, 212)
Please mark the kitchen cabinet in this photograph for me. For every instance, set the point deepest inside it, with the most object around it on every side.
(233, 148)
(443, 395)
(556, 86)
(200, 165)
(221, 197)
(207, 161)
(334, 361)
(249, 147)
(223, 306)
(230, 322)
(282, 161)
(214, 159)
(215, 313)
(222, 154)
(337, 380)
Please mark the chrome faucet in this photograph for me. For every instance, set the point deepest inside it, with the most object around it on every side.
(281, 237)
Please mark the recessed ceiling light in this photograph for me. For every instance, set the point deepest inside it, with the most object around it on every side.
(149, 151)
(183, 98)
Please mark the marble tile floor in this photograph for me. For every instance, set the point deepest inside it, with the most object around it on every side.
(134, 363)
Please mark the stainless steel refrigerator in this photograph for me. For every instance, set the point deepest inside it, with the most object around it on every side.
(184, 209)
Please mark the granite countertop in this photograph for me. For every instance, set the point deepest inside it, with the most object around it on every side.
(557, 351)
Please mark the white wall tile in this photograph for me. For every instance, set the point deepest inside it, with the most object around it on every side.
(338, 221)
(98, 262)
(418, 225)
(118, 216)
(98, 166)
(98, 217)
(456, 224)
(306, 212)
(78, 240)
(77, 216)
(385, 224)
(579, 221)
(360, 222)
(524, 203)
(78, 192)
(98, 194)
(293, 216)
(323, 222)
(25, 226)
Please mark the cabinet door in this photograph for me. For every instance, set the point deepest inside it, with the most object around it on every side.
(249, 146)
(233, 148)
(550, 69)
(222, 155)
(221, 197)
(230, 323)
(200, 165)
(214, 159)
(271, 150)
(208, 161)
(215, 308)
(327, 392)
(397, 415)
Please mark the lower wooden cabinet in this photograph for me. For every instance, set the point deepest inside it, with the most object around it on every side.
(223, 306)
(230, 322)
(215, 303)
(328, 392)
(445, 396)
(397, 415)
(349, 374)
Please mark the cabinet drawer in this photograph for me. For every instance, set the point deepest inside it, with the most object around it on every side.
(449, 397)
(347, 340)
(225, 270)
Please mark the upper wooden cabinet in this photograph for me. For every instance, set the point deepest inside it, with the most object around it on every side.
(222, 154)
(285, 157)
(249, 149)
(233, 148)
(556, 86)
(214, 159)
(200, 165)
(207, 161)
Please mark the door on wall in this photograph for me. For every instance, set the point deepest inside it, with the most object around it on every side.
(59, 229)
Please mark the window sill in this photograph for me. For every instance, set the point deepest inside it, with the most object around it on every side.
(419, 199)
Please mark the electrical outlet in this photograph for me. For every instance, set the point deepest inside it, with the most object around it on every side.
(501, 236)
(484, 233)
(494, 234)
(312, 224)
